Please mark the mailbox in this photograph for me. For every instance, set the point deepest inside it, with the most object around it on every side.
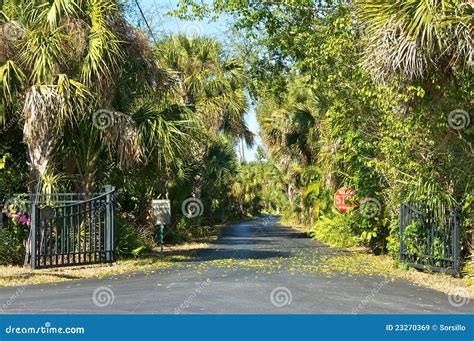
(161, 212)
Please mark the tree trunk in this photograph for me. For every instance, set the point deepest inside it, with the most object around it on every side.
(291, 196)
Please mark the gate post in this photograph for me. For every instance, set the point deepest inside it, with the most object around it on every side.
(109, 218)
(402, 231)
(1, 215)
(457, 240)
(112, 223)
(33, 234)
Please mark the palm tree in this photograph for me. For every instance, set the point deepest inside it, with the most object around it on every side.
(211, 82)
(214, 85)
(72, 58)
(412, 38)
(290, 130)
(67, 50)
(289, 126)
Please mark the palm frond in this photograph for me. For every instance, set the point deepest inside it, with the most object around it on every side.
(412, 37)
(12, 79)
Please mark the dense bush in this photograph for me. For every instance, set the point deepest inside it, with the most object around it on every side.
(12, 250)
(132, 240)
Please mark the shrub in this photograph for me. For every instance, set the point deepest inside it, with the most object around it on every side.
(12, 250)
(334, 230)
(131, 240)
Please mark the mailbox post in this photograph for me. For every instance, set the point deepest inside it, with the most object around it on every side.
(161, 214)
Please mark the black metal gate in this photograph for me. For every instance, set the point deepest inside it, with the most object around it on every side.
(71, 228)
(430, 238)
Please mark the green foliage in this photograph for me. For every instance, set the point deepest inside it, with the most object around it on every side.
(95, 103)
(413, 237)
(12, 250)
(258, 187)
(334, 230)
(357, 96)
(131, 241)
(364, 93)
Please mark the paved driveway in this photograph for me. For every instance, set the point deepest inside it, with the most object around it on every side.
(255, 267)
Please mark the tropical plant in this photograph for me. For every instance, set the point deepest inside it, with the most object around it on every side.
(414, 38)
(44, 77)
(210, 81)
(382, 81)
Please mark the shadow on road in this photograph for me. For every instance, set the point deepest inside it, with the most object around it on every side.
(257, 239)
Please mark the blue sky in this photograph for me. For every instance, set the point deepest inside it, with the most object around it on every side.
(155, 12)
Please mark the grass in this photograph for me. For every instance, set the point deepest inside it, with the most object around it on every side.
(387, 266)
(19, 276)
(172, 256)
(358, 260)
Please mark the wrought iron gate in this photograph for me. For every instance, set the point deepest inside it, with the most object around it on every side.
(430, 238)
(72, 228)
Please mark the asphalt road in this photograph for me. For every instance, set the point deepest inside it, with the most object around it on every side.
(254, 267)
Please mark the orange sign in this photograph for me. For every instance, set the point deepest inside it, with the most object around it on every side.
(341, 199)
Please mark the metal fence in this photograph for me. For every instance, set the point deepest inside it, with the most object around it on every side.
(72, 228)
(430, 238)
